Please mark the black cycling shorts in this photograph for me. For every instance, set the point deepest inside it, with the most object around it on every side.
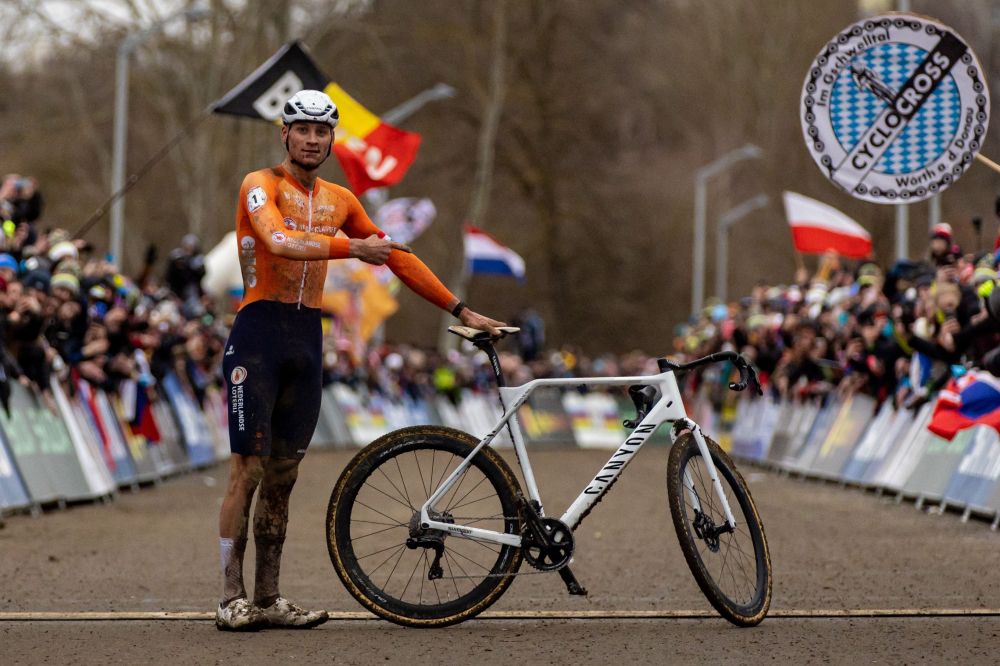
(274, 370)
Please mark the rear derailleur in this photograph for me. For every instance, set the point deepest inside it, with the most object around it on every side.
(421, 537)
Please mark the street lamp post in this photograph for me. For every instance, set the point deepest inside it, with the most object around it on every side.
(125, 49)
(727, 220)
(701, 177)
(397, 114)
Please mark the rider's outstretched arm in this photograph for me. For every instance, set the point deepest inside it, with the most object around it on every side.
(408, 267)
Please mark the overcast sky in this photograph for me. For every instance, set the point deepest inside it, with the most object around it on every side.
(42, 24)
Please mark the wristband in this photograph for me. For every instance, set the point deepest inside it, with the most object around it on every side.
(457, 310)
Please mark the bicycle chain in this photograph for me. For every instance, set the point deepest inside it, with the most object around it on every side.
(505, 575)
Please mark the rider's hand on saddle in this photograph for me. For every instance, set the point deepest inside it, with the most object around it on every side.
(371, 250)
(478, 321)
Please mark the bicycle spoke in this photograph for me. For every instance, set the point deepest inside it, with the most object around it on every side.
(402, 479)
(454, 503)
(391, 555)
(409, 580)
(365, 536)
(471, 502)
(394, 499)
(394, 487)
(393, 570)
(420, 473)
(371, 508)
(469, 559)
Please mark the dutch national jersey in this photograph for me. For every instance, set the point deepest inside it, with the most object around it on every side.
(285, 230)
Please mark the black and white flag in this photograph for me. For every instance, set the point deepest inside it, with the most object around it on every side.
(262, 94)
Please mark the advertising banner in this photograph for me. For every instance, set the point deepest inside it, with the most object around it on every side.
(801, 460)
(904, 458)
(335, 419)
(13, 494)
(114, 452)
(794, 425)
(365, 423)
(175, 458)
(868, 449)
(544, 419)
(194, 432)
(42, 448)
(848, 428)
(111, 417)
(974, 482)
(595, 420)
(884, 452)
(931, 476)
(88, 450)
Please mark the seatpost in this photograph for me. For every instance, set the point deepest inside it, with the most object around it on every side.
(487, 347)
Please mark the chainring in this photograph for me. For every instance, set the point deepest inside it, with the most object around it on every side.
(556, 553)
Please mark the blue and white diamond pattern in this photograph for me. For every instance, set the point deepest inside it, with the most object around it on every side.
(852, 110)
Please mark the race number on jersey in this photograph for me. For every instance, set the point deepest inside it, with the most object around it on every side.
(256, 198)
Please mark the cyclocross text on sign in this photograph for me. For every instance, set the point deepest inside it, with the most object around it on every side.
(895, 108)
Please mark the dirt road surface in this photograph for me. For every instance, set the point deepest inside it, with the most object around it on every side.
(833, 549)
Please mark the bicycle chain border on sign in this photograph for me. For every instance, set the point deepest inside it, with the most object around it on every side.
(895, 108)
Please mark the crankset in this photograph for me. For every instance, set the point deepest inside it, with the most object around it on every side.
(548, 546)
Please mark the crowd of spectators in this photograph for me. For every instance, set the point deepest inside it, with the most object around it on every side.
(73, 315)
(896, 335)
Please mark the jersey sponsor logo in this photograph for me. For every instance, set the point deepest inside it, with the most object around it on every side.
(279, 237)
(249, 260)
(238, 375)
(895, 108)
(290, 224)
(256, 198)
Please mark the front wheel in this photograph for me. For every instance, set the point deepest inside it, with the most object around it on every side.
(412, 576)
(732, 567)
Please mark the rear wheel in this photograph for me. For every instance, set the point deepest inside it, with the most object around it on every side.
(411, 576)
(732, 567)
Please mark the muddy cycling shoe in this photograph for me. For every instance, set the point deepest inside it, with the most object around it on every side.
(284, 614)
(239, 615)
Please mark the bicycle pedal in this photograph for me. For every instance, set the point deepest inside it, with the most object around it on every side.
(572, 584)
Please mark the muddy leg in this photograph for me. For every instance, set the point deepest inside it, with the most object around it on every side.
(245, 473)
(270, 519)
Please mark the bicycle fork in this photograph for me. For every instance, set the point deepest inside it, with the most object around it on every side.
(699, 438)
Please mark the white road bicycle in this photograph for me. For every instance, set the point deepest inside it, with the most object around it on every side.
(427, 526)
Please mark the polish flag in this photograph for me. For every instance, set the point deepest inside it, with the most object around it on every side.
(485, 255)
(817, 228)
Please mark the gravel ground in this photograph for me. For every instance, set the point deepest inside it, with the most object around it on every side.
(831, 549)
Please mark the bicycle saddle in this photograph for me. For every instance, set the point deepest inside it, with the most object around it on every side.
(474, 334)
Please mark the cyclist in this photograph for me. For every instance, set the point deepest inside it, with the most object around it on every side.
(286, 222)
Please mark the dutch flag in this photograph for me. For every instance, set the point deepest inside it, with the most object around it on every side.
(485, 255)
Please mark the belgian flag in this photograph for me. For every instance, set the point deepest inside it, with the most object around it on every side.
(371, 152)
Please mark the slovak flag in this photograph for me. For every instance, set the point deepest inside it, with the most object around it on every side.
(485, 255)
(972, 399)
(817, 228)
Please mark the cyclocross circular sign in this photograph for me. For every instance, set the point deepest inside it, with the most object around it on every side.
(895, 108)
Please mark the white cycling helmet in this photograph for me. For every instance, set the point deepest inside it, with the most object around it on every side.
(311, 106)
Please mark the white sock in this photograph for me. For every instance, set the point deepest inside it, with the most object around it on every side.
(225, 552)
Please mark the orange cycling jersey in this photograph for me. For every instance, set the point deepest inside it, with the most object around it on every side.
(285, 230)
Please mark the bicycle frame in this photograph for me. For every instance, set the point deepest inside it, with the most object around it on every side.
(668, 409)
